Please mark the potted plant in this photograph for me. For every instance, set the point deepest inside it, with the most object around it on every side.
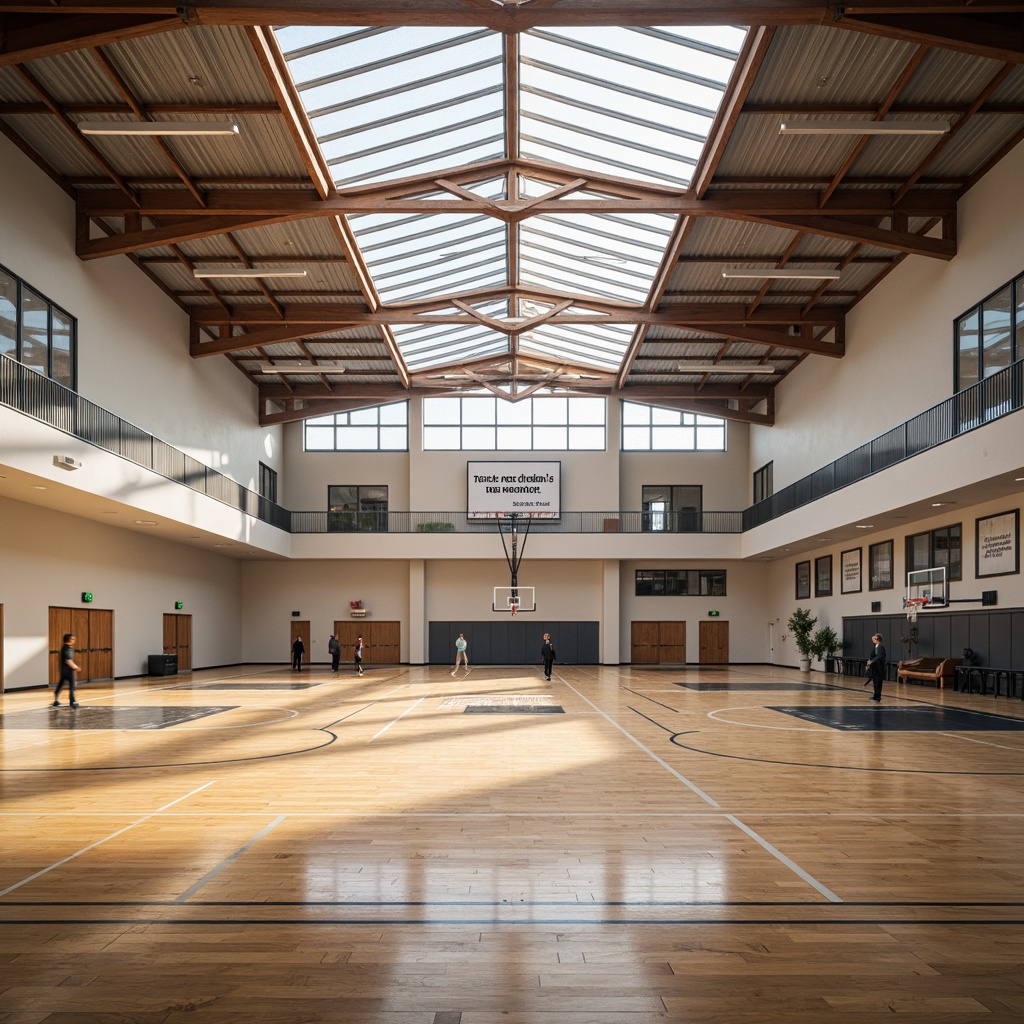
(824, 645)
(801, 625)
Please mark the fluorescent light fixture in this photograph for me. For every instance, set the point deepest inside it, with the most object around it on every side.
(247, 272)
(301, 367)
(787, 273)
(66, 462)
(864, 127)
(158, 128)
(743, 368)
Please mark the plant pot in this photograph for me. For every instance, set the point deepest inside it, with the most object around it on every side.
(830, 664)
(805, 664)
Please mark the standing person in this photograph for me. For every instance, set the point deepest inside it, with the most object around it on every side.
(460, 653)
(359, 655)
(68, 668)
(876, 666)
(547, 653)
(334, 649)
(298, 650)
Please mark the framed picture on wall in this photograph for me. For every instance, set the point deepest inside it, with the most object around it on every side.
(803, 580)
(997, 544)
(850, 568)
(823, 576)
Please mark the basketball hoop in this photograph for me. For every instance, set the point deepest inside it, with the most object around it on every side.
(914, 605)
(514, 608)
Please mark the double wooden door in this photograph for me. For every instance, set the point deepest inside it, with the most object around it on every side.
(658, 643)
(94, 648)
(178, 639)
(382, 641)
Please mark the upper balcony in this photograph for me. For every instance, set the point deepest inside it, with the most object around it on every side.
(377, 533)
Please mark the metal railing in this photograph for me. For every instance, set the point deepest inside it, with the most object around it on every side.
(29, 392)
(568, 522)
(988, 400)
(43, 399)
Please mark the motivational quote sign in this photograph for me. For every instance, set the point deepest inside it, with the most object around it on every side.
(513, 487)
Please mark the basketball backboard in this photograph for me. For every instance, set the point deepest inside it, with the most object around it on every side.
(927, 586)
(521, 599)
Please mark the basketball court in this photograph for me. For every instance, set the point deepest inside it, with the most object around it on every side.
(610, 846)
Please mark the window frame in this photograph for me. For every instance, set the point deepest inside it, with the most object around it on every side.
(698, 421)
(934, 536)
(478, 414)
(672, 519)
(316, 423)
(875, 556)
(362, 518)
(823, 576)
(974, 323)
(706, 581)
(53, 312)
(764, 486)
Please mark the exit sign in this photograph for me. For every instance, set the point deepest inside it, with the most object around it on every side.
(86, 597)
(713, 615)
(179, 605)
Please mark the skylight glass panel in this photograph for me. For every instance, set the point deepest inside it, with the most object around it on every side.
(400, 101)
(441, 344)
(605, 256)
(628, 105)
(413, 257)
(626, 102)
(599, 345)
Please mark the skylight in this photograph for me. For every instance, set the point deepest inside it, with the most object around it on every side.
(601, 108)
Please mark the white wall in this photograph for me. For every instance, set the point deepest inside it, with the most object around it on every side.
(320, 591)
(831, 610)
(743, 607)
(49, 558)
(899, 339)
(724, 476)
(133, 341)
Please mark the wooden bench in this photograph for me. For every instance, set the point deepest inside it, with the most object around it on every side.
(927, 670)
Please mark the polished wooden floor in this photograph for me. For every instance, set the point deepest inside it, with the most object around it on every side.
(409, 847)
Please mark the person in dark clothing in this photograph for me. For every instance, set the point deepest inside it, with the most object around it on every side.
(298, 650)
(876, 666)
(68, 668)
(334, 649)
(547, 653)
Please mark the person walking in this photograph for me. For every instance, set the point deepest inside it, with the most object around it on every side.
(68, 668)
(460, 653)
(547, 653)
(359, 655)
(298, 650)
(876, 667)
(334, 649)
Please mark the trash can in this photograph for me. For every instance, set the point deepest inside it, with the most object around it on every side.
(163, 664)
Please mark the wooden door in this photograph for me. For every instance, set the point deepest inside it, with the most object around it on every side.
(385, 643)
(101, 643)
(671, 643)
(300, 629)
(94, 635)
(644, 648)
(178, 639)
(1, 648)
(714, 643)
(382, 641)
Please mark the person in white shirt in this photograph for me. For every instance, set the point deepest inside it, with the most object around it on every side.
(460, 653)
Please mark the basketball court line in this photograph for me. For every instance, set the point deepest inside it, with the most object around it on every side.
(105, 839)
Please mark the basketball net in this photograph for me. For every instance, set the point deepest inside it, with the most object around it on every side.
(514, 608)
(914, 604)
